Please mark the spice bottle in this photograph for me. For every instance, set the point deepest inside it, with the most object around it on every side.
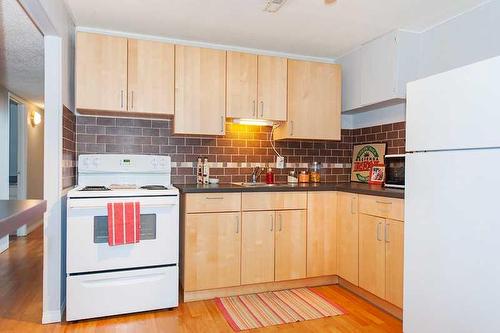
(199, 171)
(206, 171)
(303, 177)
(314, 172)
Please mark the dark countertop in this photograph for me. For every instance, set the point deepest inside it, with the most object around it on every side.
(343, 187)
(16, 213)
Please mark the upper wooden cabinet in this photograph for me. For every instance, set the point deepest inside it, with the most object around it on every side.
(321, 233)
(241, 85)
(313, 102)
(256, 86)
(378, 71)
(101, 72)
(120, 74)
(200, 91)
(272, 88)
(150, 77)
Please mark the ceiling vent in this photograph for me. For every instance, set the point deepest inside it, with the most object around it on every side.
(272, 6)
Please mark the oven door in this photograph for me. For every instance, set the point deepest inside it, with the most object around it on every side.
(87, 235)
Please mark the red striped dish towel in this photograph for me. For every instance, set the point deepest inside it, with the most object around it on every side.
(124, 223)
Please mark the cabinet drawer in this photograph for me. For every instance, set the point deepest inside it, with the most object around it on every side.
(383, 207)
(274, 200)
(213, 202)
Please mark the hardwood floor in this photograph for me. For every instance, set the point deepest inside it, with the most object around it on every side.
(21, 306)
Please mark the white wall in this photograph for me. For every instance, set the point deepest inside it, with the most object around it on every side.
(465, 39)
(55, 23)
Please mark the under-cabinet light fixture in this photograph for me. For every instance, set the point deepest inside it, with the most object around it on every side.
(253, 122)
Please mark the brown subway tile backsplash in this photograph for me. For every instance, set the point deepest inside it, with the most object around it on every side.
(233, 155)
(69, 148)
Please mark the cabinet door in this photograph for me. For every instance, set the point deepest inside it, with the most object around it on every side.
(272, 88)
(314, 101)
(394, 251)
(150, 77)
(372, 254)
(347, 248)
(212, 251)
(257, 247)
(351, 80)
(290, 249)
(241, 85)
(321, 233)
(200, 91)
(378, 67)
(101, 72)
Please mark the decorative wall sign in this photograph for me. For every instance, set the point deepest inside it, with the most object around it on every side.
(364, 157)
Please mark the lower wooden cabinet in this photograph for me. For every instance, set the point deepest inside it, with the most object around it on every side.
(257, 247)
(290, 250)
(394, 251)
(347, 241)
(372, 254)
(381, 257)
(321, 233)
(212, 250)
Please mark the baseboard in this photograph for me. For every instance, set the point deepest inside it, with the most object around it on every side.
(369, 297)
(191, 296)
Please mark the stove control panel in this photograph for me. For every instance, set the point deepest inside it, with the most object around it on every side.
(111, 163)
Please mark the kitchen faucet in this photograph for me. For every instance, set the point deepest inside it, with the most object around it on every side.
(256, 172)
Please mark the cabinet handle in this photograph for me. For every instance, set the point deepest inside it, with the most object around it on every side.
(291, 127)
(237, 224)
(386, 233)
(353, 208)
(132, 100)
(384, 202)
(281, 222)
(121, 99)
(254, 113)
(214, 198)
(261, 109)
(272, 223)
(378, 231)
(222, 124)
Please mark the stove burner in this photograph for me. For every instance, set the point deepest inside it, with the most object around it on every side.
(95, 188)
(153, 187)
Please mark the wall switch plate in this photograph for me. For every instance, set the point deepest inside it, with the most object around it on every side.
(280, 162)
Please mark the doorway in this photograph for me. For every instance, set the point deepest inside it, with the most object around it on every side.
(18, 158)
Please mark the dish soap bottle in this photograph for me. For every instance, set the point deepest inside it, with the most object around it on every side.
(269, 176)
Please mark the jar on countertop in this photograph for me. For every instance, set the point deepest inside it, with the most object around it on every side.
(314, 172)
(303, 177)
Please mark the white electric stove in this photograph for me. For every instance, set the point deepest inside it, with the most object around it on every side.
(105, 280)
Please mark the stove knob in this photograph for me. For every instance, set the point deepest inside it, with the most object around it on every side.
(162, 162)
(95, 162)
(85, 162)
(154, 163)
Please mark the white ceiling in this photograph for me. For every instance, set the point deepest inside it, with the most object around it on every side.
(303, 27)
(21, 53)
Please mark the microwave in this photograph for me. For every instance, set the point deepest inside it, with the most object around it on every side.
(395, 171)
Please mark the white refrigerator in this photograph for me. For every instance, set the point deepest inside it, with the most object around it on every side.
(452, 202)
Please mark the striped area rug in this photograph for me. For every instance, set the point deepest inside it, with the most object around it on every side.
(275, 308)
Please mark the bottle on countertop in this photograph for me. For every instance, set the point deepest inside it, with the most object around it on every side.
(315, 172)
(292, 177)
(206, 171)
(199, 171)
(269, 176)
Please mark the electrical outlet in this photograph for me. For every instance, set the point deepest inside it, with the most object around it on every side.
(280, 162)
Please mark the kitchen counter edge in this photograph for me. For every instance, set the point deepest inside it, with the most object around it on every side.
(358, 188)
